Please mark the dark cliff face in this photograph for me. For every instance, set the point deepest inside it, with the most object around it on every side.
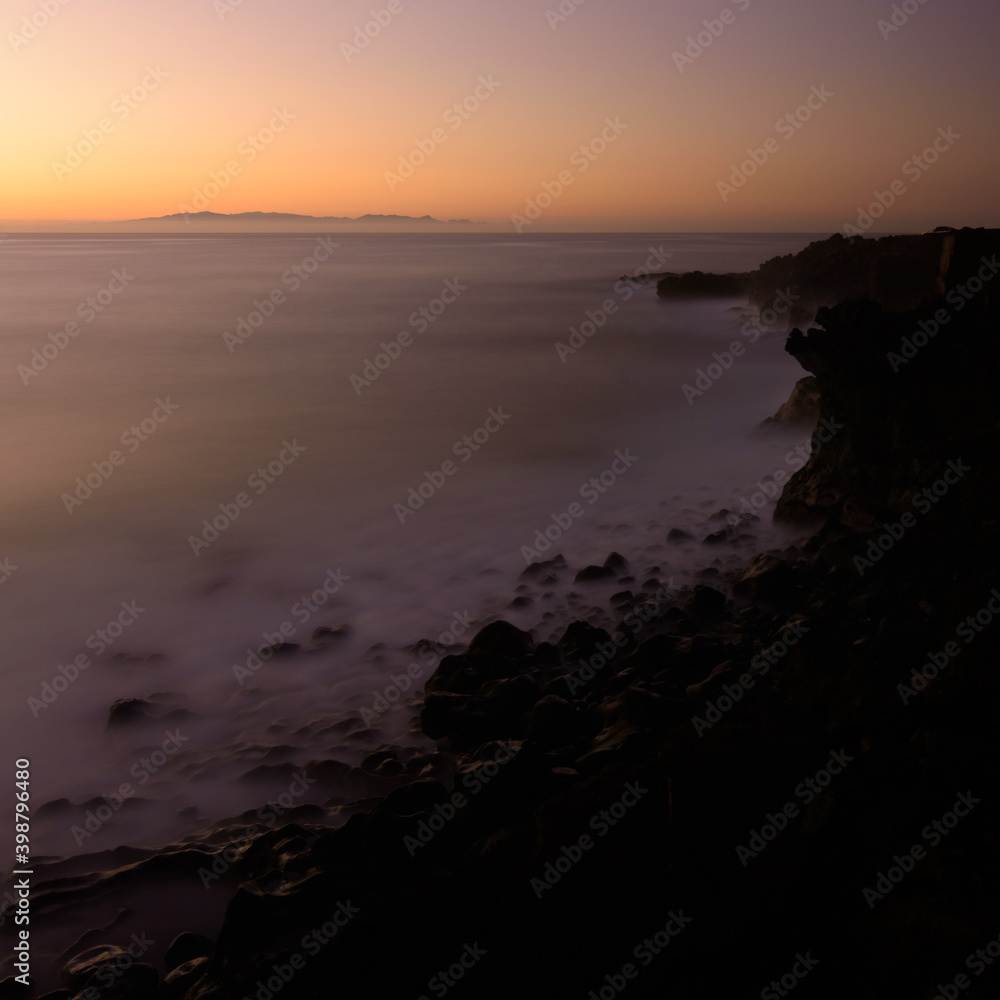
(914, 391)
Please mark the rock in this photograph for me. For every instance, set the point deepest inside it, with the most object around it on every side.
(554, 722)
(769, 579)
(699, 285)
(127, 711)
(279, 649)
(537, 570)
(594, 574)
(801, 407)
(502, 639)
(705, 603)
(330, 633)
(616, 562)
(580, 641)
(185, 947)
(182, 978)
(677, 535)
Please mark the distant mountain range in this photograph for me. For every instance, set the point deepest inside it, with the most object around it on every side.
(291, 217)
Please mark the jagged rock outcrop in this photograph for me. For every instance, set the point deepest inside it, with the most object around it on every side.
(913, 392)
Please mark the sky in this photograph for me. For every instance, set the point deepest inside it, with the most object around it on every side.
(576, 115)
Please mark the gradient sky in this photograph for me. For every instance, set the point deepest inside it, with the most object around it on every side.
(355, 118)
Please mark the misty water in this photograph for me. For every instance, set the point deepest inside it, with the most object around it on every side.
(219, 408)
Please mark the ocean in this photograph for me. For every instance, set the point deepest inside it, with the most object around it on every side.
(218, 444)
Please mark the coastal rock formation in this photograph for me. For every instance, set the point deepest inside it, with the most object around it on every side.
(915, 395)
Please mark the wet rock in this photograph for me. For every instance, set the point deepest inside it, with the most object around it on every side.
(374, 760)
(501, 639)
(705, 603)
(539, 570)
(581, 639)
(330, 633)
(128, 711)
(594, 574)
(616, 562)
(182, 978)
(769, 578)
(555, 722)
(279, 649)
(801, 407)
(78, 970)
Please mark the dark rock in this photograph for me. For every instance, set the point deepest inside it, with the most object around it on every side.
(699, 285)
(127, 711)
(705, 603)
(677, 535)
(555, 722)
(616, 562)
(768, 578)
(280, 649)
(185, 947)
(182, 978)
(329, 633)
(594, 574)
(537, 570)
(502, 639)
(581, 639)
(801, 407)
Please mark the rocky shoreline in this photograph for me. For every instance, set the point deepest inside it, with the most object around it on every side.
(777, 778)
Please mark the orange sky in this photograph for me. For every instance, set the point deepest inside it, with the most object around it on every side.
(208, 78)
